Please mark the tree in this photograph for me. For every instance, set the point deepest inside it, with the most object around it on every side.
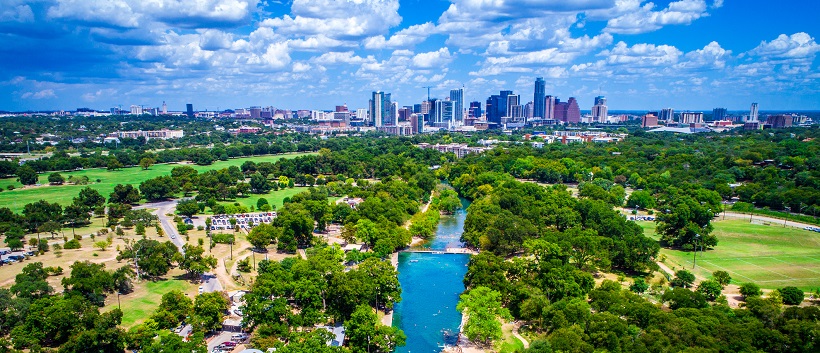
(188, 208)
(208, 311)
(114, 164)
(722, 277)
(259, 184)
(750, 290)
(686, 223)
(159, 188)
(40, 212)
(710, 289)
(174, 307)
(792, 295)
(75, 215)
(31, 282)
(56, 179)
(151, 257)
(683, 298)
(122, 279)
(146, 163)
(640, 199)
(90, 280)
(102, 245)
(483, 309)
(14, 237)
(50, 227)
(261, 202)
(89, 198)
(639, 285)
(193, 261)
(366, 335)
(262, 235)
(683, 278)
(26, 175)
(126, 194)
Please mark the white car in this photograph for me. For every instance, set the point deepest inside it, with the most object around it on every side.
(200, 289)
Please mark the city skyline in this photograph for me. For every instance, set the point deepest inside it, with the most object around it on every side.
(226, 54)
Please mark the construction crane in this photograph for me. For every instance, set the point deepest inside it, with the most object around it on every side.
(428, 91)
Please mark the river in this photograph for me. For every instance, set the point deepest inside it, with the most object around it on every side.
(431, 284)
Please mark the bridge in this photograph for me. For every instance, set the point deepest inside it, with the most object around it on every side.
(446, 251)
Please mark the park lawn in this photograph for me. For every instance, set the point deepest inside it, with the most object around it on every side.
(508, 342)
(146, 297)
(275, 198)
(63, 194)
(770, 255)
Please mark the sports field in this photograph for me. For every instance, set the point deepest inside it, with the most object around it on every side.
(64, 194)
(769, 255)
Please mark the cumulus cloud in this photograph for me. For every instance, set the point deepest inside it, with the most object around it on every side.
(338, 19)
(642, 54)
(44, 94)
(796, 46)
(433, 59)
(642, 19)
(213, 39)
(404, 38)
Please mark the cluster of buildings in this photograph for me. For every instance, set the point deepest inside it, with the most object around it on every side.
(666, 120)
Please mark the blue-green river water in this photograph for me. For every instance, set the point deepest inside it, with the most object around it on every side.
(431, 284)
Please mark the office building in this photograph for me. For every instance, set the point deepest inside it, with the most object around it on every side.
(404, 113)
(426, 106)
(667, 114)
(457, 97)
(475, 110)
(691, 118)
(444, 114)
(164, 108)
(341, 108)
(381, 109)
(649, 120)
(361, 114)
(417, 108)
(538, 109)
(256, 112)
(189, 110)
(514, 103)
(496, 107)
(163, 134)
(718, 114)
(753, 113)
(549, 108)
(529, 111)
(599, 110)
(573, 111)
(136, 110)
(417, 123)
(779, 121)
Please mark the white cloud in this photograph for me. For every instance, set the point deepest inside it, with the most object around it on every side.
(44, 94)
(433, 59)
(213, 39)
(115, 13)
(19, 13)
(347, 57)
(711, 56)
(642, 55)
(101, 93)
(134, 13)
(404, 38)
(338, 19)
(644, 19)
(797, 46)
(277, 56)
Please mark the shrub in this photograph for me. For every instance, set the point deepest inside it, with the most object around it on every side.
(639, 286)
(683, 278)
(72, 244)
(223, 238)
(244, 265)
(748, 290)
(792, 295)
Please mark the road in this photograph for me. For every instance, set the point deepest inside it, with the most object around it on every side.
(167, 223)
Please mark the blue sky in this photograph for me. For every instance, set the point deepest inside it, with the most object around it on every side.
(314, 54)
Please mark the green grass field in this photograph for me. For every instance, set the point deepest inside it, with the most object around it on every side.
(64, 194)
(769, 255)
(139, 305)
(274, 197)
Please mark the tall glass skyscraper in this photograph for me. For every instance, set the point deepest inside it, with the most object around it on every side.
(381, 109)
(538, 110)
(457, 97)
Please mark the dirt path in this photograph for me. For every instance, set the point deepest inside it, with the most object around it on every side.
(519, 337)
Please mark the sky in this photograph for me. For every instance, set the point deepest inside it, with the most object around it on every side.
(315, 54)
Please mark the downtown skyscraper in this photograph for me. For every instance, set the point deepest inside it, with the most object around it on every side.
(381, 109)
(538, 101)
(457, 97)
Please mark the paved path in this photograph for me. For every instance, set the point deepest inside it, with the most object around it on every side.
(163, 208)
(518, 336)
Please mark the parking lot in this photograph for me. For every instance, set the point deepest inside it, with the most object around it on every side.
(813, 229)
(9, 257)
(641, 218)
(243, 220)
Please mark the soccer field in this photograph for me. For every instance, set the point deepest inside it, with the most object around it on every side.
(770, 255)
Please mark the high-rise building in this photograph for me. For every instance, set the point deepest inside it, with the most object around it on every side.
(573, 111)
(341, 108)
(426, 106)
(649, 120)
(779, 121)
(136, 110)
(417, 108)
(496, 107)
(538, 109)
(529, 110)
(404, 113)
(256, 112)
(475, 110)
(417, 123)
(444, 113)
(394, 114)
(667, 114)
(361, 114)
(691, 118)
(561, 110)
(549, 107)
(513, 106)
(753, 113)
(164, 108)
(718, 114)
(457, 97)
(599, 110)
(189, 110)
(381, 109)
